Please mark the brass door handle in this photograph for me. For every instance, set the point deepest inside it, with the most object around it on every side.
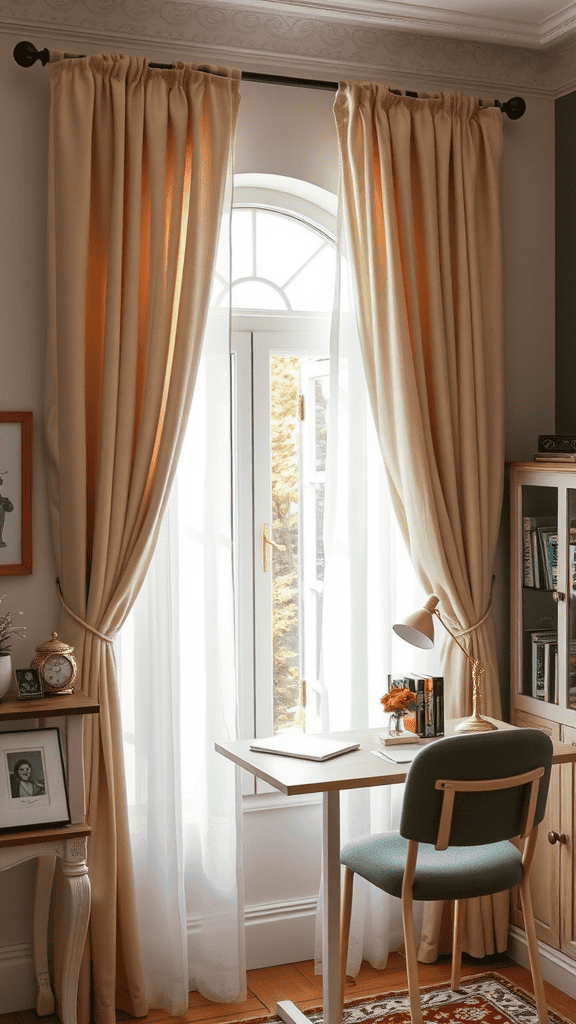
(266, 542)
(558, 596)
(554, 837)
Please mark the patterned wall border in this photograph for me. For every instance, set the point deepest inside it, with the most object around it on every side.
(258, 40)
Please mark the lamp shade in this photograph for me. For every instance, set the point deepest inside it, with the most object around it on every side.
(418, 629)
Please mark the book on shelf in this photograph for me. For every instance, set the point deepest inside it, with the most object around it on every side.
(540, 552)
(556, 444)
(555, 457)
(544, 644)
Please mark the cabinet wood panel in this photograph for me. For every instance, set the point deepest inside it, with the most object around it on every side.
(568, 827)
(545, 867)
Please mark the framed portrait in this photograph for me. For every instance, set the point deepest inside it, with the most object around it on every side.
(15, 493)
(32, 782)
(29, 683)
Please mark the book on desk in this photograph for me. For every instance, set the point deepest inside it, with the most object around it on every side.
(300, 744)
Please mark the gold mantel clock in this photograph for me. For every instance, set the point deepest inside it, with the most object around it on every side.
(57, 665)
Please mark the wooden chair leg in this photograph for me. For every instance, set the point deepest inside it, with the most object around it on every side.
(457, 945)
(411, 958)
(532, 943)
(345, 916)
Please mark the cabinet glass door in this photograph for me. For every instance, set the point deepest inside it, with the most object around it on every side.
(571, 595)
(539, 676)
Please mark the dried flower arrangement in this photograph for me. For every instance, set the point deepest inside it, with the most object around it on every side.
(8, 630)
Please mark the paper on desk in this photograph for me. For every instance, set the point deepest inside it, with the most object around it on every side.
(398, 754)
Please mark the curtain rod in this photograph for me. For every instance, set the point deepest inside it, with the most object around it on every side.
(26, 54)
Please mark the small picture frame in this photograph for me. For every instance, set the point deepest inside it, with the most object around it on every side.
(29, 683)
(32, 781)
(16, 439)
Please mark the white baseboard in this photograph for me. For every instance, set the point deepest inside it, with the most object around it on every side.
(557, 968)
(277, 933)
(17, 981)
(280, 933)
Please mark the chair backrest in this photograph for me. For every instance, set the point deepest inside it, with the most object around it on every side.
(478, 817)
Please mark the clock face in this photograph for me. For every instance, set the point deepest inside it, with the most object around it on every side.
(57, 671)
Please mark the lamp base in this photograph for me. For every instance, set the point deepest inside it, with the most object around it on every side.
(475, 724)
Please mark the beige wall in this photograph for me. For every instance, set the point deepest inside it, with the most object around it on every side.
(282, 131)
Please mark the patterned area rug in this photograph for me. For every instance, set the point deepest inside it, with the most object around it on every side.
(484, 999)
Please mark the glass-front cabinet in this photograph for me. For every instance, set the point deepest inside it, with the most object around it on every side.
(543, 586)
(543, 686)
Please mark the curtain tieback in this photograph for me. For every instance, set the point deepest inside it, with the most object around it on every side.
(102, 636)
(470, 629)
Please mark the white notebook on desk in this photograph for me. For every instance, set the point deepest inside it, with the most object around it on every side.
(300, 744)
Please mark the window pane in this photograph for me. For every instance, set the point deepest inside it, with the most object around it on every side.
(313, 287)
(242, 244)
(285, 457)
(321, 386)
(283, 244)
(257, 295)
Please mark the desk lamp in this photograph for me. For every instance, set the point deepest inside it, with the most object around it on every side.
(418, 630)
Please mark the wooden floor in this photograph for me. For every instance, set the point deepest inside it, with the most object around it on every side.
(299, 983)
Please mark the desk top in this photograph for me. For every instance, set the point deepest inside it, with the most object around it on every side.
(356, 770)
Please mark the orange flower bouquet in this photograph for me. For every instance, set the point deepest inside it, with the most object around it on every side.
(398, 702)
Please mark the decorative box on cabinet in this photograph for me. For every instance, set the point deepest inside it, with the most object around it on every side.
(543, 673)
(46, 844)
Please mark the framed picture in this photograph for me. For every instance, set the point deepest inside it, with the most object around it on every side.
(29, 683)
(32, 784)
(15, 493)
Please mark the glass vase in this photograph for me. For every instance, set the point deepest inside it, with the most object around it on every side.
(396, 723)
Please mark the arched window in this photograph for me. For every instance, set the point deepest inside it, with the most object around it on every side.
(281, 293)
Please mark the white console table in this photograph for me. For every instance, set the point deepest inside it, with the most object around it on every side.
(45, 845)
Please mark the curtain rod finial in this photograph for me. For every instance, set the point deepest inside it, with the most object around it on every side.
(514, 108)
(25, 54)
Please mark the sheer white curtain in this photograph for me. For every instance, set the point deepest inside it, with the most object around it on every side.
(177, 678)
(178, 690)
(369, 584)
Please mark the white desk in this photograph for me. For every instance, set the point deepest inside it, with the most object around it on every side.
(356, 770)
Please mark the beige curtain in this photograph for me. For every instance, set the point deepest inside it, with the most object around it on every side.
(421, 207)
(139, 160)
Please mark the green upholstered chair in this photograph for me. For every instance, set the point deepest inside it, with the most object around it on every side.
(466, 798)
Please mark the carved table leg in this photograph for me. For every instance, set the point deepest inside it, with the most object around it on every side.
(44, 878)
(76, 909)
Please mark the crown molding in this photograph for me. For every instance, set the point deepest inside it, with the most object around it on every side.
(257, 40)
(402, 16)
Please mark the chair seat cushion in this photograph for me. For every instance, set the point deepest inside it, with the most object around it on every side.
(460, 872)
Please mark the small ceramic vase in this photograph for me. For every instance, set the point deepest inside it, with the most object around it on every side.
(5, 674)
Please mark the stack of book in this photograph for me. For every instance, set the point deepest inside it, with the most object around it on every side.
(544, 644)
(540, 563)
(429, 695)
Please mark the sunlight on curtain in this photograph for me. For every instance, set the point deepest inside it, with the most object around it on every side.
(178, 690)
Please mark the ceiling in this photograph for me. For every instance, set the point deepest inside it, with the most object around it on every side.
(533, 23)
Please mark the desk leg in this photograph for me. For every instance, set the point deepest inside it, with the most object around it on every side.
(330, 919)
(76, 909)
(43, 891)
